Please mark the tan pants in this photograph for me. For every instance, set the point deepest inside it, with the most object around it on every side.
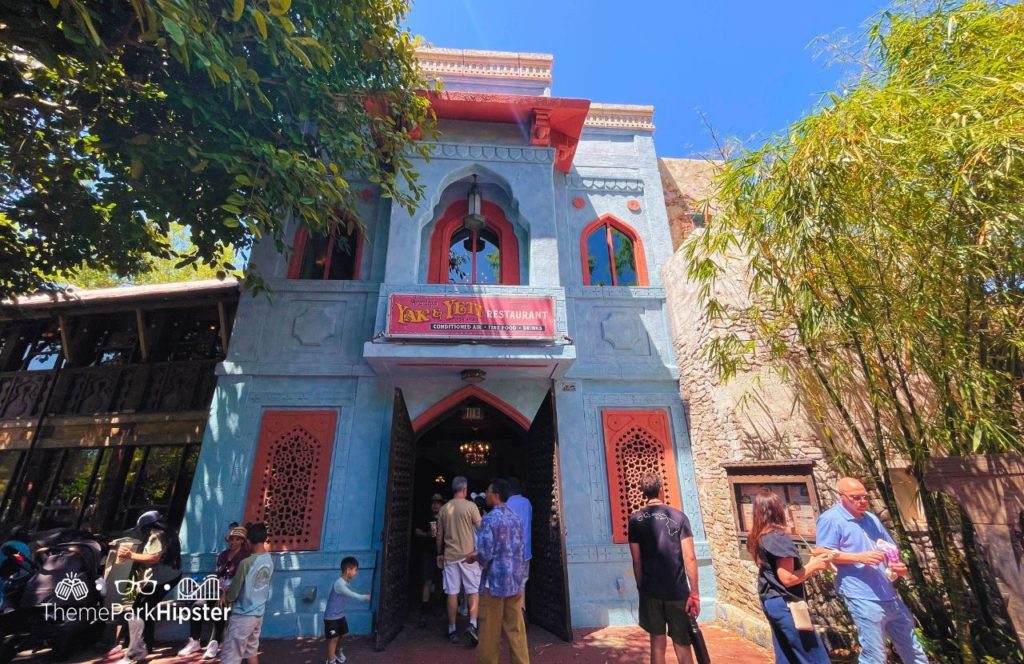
(497, 615)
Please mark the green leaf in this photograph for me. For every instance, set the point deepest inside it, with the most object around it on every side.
(174, 30)
(219, 72)
(279, 7)
(261, 22)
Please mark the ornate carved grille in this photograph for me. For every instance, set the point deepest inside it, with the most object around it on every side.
(636, 442)
(289, 481)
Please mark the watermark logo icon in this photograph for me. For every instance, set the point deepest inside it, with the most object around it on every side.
(140, 586)
(71, 587)
(207, 590)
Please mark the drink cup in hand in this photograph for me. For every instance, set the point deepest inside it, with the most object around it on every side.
(892, 555)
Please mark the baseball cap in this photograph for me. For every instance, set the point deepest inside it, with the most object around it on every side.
(437, 498)
(148, 518)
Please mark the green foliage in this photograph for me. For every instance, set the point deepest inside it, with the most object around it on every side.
(120, 117)
(885, 245)
(158, 269)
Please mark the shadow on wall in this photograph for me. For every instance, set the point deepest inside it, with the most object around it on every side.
(215, 472)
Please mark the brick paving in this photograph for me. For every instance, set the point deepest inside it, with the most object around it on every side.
(610, 645)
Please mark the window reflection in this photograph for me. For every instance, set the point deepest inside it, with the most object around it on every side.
(600, 268)
(625, 262)
(611, 257)
(70, 489)
(474, 257)
(331, 256)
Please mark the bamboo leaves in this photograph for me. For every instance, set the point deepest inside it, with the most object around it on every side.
(885, 251)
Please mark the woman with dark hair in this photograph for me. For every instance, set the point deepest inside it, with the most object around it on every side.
(780, 579)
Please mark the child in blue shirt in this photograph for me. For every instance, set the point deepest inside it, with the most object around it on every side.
(335, 624)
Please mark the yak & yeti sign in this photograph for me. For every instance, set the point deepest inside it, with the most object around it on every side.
(487, 317)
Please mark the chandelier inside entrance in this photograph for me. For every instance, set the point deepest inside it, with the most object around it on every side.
(475, 452)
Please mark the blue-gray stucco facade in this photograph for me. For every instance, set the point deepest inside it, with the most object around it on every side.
(318, 345)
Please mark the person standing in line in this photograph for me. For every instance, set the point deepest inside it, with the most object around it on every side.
(520, 504)
(500, 546)
(161, 562)
(780, 581)
(877, 610)
(426, 534)
(248, 595)
(335, 622)
(661, 545)
(457, 523)
(227, 564)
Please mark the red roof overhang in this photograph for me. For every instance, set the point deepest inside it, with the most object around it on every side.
(552, 121)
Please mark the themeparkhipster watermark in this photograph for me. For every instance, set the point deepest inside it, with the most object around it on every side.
(201, 594)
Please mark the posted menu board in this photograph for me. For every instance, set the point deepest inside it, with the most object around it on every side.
(800, 512)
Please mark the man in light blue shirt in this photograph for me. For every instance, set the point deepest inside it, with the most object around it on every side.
(870, 596)
(524, 510)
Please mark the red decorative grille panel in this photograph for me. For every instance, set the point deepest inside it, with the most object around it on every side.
(636, 442)
(290, 474)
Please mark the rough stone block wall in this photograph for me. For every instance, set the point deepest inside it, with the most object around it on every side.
(687, 183)
(754, 417)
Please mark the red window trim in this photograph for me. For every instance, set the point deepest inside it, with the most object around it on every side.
(451, 222)
(302, 240)
(610, 221)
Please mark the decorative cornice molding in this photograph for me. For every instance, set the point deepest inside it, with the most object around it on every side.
(621, 116)
(603, 184)
(476, 152)
(441, 62)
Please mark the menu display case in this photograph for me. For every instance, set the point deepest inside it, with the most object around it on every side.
(792, 481)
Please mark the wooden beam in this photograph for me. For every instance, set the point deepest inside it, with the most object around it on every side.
(224, 334)
(140, 325)
(65, 342)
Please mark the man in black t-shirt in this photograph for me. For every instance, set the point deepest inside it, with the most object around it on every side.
(661, 544)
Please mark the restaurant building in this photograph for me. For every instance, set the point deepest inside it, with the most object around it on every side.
(515, 324)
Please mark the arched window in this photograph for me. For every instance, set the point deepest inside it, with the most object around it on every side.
(334, 256)
(487, 257)
(612, 254)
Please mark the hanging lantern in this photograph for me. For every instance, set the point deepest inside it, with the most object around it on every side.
(474, 219)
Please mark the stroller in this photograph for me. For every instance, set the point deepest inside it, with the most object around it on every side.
(62, 575)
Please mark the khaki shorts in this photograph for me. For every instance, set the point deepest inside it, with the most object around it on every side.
(660, 615)
(461, 575)
(241, 639)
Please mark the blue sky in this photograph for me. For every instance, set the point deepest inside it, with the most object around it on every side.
(749, 67)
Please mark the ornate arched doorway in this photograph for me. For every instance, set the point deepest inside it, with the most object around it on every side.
(426, 454)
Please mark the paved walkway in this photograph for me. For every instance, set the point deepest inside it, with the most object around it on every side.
(611, 645)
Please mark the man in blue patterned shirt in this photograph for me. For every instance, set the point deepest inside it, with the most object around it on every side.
(499, 549)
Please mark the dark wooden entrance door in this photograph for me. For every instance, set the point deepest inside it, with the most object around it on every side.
(396, 536)
(547, 593)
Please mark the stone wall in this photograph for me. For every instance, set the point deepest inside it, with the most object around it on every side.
(756, 416)
(687, 183)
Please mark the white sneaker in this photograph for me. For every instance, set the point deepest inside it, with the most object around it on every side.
(212, 649)
(340, 658)
(190, 648)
